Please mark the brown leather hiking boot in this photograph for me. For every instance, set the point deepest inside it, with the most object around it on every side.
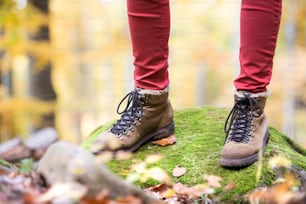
(247, 132)
(148, 115)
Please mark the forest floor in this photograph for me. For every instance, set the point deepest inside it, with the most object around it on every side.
(184, 168)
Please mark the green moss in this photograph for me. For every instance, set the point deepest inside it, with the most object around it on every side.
(200, 138)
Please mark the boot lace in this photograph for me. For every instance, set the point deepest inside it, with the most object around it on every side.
(241, 120)
(130, 114)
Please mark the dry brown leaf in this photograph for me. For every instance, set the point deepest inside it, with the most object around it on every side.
(157, 188)
(179, 171)
(123, 155)
(230, 186)
(101, 198)
(103, 195)
(29, 197)
(197, 191)
(212, 180)
(165, 141)
(280, 193)
(180, 188)
(93, 201)
(191, 192)
(157, 191)
(128, 200)
(160, 191)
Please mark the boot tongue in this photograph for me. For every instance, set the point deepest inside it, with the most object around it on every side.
(240, 119)
(244, 103)
(251, 104)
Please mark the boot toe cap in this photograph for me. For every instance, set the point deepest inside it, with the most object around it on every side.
(235, 150)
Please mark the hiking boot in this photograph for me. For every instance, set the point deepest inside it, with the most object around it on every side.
(148, 115)
(247, 132)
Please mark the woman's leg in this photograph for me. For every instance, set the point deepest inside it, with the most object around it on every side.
(259, 27)
(149, 22)
(247, 126)
(149, 114)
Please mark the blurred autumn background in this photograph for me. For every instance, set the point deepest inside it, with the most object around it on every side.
(66, 64)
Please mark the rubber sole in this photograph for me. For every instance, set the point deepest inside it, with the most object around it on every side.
(155, 135)
(245, 161)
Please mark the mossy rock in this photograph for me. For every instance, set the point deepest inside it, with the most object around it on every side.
(200, 138)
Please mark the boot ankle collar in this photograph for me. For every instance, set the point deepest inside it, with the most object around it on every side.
(241, 94)
(153, 92)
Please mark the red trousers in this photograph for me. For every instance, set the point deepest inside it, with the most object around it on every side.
(149, 22)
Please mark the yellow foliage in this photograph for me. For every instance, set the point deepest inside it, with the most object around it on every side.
(16, 113)
(18, 26)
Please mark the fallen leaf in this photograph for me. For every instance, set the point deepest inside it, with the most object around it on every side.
(153, 158)
(281, 193)
(279, 161)
(29, 197)
(230, 186)
(157, 191)
(165, 141)
(72, 190)
(129, 200)
(212, 180)
(180, 188)
(198, 190)
(93, 201)
(169, 193)
(104, 194)
(123, 155)
(157, 174)
(179, 171)
(174, 200)
(157, 188)
(191, 192)
(139, 168)
(101, 198)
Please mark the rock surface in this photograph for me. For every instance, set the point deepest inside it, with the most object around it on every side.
(65, 162)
